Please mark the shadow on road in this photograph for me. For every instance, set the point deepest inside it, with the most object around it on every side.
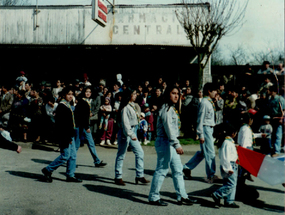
(262, 205)
(41, 161)
(38, 177)
(118, 192)
(42, 147)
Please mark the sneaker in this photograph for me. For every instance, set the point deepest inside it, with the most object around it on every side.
(233, 205)
(116, 142)
(102, 143)
(47, 175)
(187, 173)
(100, 164)
(145, 142)
(108, 142)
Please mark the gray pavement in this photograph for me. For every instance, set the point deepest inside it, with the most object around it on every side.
(22, 190)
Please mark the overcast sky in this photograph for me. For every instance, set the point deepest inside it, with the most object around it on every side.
(264, 21)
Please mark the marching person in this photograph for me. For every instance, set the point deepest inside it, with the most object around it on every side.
(128, 135)
(168, 151)
(82, 115)
(229, 169)
(65, 129)
(205, 128)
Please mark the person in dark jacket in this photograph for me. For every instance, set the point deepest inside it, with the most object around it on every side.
(65, 132)
(82, 115)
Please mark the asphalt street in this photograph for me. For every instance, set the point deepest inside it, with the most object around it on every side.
(23, 191)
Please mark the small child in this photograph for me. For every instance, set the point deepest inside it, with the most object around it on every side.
(266, 141)
(149, 119)
(106, 110)
(229, 170)
(142, 133)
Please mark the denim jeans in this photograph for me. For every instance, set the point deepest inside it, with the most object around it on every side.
(228, 190)
(207, 152)
(277, 138)
(123, 143)
(90, 143)
(66, 155)
(167, 157)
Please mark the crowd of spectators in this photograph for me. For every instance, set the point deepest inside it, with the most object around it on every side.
(27, 109)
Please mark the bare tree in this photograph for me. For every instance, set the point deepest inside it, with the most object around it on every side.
(217, 57)
(238, 55)
(206, 23)
(14, 2)
(272, 52)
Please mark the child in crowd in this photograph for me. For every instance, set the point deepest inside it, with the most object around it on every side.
(229, 170)
(106, 110)
(266, 141)
(149, 119)
(143, 127)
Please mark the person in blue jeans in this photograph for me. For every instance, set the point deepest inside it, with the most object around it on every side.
(229, 169)
(65, 132)
(205, 128)
(82, 115)
(276, 105)
(129, 120)
(168, 151)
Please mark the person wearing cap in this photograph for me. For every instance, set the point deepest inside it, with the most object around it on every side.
(143, 127)
(266, 141)
(22, 77)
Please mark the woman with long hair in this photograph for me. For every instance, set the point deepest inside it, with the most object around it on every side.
(168, 151)
(129, 120)
(65, 132)
(82, 119)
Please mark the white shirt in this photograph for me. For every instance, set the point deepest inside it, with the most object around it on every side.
(245, 136)
(6, 135)
(227, 153)
(50, 110)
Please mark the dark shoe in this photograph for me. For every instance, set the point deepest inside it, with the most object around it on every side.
(158, 203)
(142, 180)
(187, 173)
(47, 175)
(100, 164)
(233, 205)
(73, 179)
(216, 200)
(249, 178)
(119, 181)
(186, 201)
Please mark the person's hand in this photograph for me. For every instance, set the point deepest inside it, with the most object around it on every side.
(180, 151)
(263, 135)
(91, 114)
(0, 111)
(202, 140)
(134, 138)
(88, 130)
(230, 172)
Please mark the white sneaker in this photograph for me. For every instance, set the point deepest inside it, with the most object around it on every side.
(102, 143)
(108, 142)
(116, 142)
(145, 142)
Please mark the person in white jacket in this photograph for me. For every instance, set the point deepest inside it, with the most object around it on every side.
(229, 170)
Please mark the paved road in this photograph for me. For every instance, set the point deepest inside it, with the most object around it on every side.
(22, 190)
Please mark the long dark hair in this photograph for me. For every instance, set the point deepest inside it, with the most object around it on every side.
(126, 97)
(166, 97)
(82, 94)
